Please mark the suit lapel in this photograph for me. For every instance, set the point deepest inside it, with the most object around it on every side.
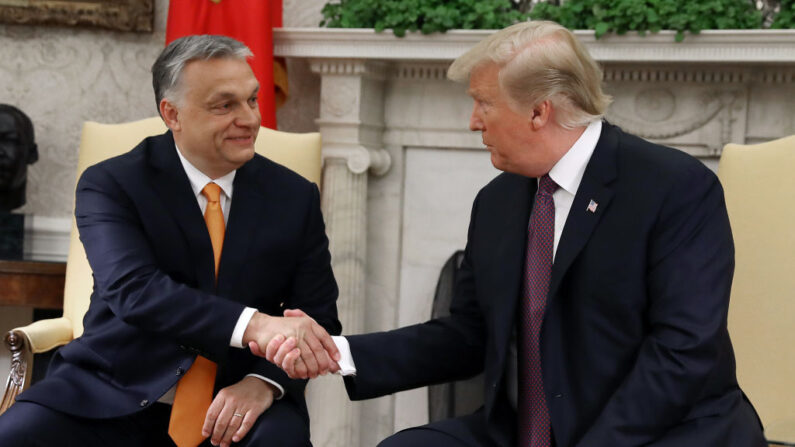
(582, 219)
(173, 188)
(245, 216)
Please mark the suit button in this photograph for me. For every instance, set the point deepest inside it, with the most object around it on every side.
(558, 396)
(180, 371)
(144, 403)
(183, 347)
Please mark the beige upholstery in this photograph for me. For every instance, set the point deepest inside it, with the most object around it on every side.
(759, 182)
(299, 152)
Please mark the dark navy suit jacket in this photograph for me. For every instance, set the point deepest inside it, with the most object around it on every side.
(634, 344)
(156, 304)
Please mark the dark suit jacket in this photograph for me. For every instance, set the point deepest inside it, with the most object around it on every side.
(634, 344)
(156, 305)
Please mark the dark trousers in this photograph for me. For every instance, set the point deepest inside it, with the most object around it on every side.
(28, 424)
(465, 431)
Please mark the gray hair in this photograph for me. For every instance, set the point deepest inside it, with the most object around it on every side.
(538, 61)
(167, 69)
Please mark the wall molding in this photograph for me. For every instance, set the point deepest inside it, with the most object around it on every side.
(47, 238)
(709, 47)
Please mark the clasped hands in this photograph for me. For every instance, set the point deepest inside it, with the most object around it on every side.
(295, 343)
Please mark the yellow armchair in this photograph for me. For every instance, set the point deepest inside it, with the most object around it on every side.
(299, 152)
(759, 185)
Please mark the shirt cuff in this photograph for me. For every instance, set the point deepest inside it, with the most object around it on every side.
(278, 387)
(347, 367)
(240, 328)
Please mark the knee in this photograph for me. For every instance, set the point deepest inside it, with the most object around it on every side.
(403, 438)
(392, 441)
(281, 425)
(272, 434)
(16, 430)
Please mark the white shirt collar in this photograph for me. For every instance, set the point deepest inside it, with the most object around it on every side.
(568, 171)
(198, 180)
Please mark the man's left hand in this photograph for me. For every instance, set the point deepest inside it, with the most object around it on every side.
(235, 410)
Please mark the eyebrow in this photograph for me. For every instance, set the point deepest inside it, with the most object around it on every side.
(229, 95)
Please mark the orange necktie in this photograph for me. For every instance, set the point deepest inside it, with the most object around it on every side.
(195, 390)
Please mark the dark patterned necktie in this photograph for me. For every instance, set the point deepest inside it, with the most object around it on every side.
(533, 417)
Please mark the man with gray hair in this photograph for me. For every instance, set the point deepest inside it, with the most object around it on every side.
(194, 242)
(595, 282)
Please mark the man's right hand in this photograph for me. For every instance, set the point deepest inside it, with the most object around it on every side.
(308, 348)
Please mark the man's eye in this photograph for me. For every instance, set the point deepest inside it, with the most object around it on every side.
(221, 108)
(252, 100)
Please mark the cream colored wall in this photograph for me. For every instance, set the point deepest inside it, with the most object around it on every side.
(63, 76)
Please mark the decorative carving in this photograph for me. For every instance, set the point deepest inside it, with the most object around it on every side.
(21, 365)
(778, 77)
(339, 102)
(712, 104)
(359, 158)
(122, 15)
(350, 67)
(656, 104)
(643, 74)
(427, 71)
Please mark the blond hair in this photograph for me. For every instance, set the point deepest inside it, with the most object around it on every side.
(538, 61)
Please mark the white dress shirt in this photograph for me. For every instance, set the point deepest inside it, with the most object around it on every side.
(567, 173)
(198, 180)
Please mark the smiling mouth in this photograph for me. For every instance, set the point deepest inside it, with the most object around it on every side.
(245, 139)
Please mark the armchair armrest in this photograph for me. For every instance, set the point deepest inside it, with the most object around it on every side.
(23, 342)
(45, 335)
(781, 433)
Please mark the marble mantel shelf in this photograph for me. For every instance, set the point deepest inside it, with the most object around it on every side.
(713, 46)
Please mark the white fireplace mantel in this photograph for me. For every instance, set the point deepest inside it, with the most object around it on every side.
(711, 46)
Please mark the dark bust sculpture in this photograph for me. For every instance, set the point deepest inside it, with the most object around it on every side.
(17, 150)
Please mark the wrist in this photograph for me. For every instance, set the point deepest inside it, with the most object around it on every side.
(263, 386)
(255, 327)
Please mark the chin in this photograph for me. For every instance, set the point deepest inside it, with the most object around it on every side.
(498, 163)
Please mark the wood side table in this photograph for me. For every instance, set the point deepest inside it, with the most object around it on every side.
(32, 283)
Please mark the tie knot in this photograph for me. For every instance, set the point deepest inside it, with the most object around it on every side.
(547, 185)
(212, 192)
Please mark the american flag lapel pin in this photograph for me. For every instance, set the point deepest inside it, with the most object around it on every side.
(592, 206)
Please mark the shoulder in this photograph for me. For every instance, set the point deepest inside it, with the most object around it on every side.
(135, 157)
(129, 163)
(275, 177)
(649, 163)
(505, 183)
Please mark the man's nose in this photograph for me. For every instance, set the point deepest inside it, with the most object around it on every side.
(248, 117)
(475, 123)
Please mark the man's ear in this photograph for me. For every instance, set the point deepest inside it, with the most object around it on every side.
(170, 114)
(541, 114)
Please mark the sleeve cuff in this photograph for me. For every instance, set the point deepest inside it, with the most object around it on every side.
(347, 367)
(278, 387)
(240, 328)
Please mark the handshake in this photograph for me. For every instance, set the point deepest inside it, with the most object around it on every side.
(295, 343)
